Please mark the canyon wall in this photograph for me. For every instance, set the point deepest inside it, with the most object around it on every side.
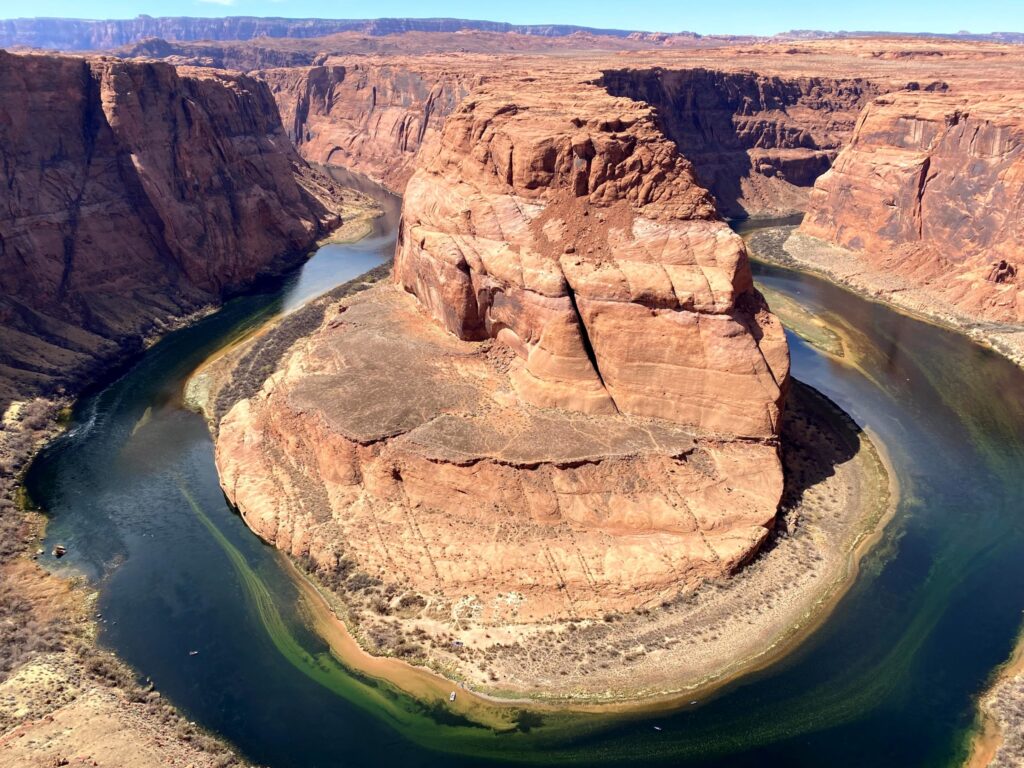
(927, 201)
(243, 56)
(565, 403)
(368, 115)
(134, 193)
(758, 142)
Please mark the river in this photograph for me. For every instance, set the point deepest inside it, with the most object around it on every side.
(196, 603)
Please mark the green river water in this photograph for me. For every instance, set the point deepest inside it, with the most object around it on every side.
(890, 678)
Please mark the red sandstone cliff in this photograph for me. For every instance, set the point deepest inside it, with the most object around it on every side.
(758, 142)
(927, 198)
(133, 194)
(368, 115)
(570, 231)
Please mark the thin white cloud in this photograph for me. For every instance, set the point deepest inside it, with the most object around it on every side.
(217, 2)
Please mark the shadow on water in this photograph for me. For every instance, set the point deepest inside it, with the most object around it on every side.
(888, 680)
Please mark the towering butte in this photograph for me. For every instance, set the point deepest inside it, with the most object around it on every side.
(566, 403)
(571, 232)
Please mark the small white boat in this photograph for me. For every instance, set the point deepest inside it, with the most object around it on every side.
(657, 727)
(452, 696)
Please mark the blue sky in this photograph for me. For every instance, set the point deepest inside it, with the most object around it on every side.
(705, 16)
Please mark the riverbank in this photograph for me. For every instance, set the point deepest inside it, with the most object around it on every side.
(62, 697)
(840, 494)
(999, 736)
(786, 247)
(666, 655)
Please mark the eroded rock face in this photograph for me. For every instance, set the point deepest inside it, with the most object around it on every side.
(133, 194)
(579, 237)
(930, 191)
(565, 403)
(386, 446)
(758, 142)
(368, 115)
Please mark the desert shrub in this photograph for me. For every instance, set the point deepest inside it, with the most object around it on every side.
(23, 633)
(359, 582)
(410, 601)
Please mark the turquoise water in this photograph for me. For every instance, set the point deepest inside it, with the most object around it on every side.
(889, 679)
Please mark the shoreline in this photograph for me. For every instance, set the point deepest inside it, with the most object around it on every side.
(69, 681)
(408, 677)
(62, 680)
(989, 735)
(394, 670)
(443, 673)
(643, 702)
(811, 257)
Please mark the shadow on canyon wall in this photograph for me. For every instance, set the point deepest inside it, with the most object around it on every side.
(751, 138)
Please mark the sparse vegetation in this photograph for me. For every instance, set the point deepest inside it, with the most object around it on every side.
(43, 617)
(262, 356)
(804, 554)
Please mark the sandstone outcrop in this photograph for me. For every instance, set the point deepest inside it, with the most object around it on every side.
(567, 233)
(566, 403)
(927, 197)
(134, 194)
(387, 447)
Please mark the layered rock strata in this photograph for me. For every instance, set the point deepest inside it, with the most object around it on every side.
(134, 193)
(758, 142)
(370, 116)
(570, 233)
(567, 402)
(927, 198)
